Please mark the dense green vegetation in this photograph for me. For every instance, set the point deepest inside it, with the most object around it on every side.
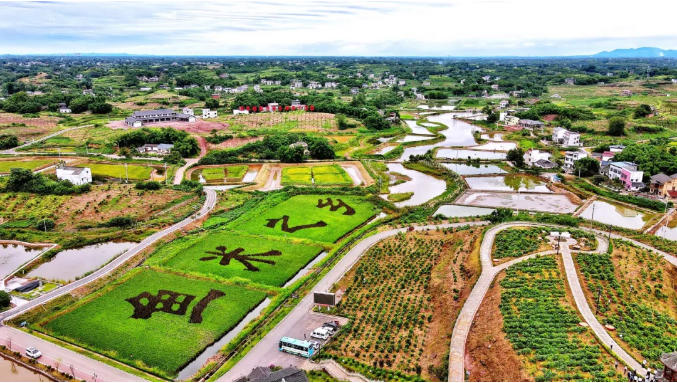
(630, 289)
(276, 146)
(23, 180)
(183, 143)
(544, 328)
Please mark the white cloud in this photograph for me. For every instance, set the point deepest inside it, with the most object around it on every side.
(352, 27)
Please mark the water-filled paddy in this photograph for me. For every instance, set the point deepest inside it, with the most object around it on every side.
(508, 183)
(616, 214)
(418, 129)
(472, 154)
(548, 203)
(422, 185)
(458, 133)
(453, 211)
(70, 264)
(13, 255)
(463, 169)
(412, 138)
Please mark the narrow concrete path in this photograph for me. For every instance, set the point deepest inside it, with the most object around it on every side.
(267, 347)
(13, 150)
(586, 311)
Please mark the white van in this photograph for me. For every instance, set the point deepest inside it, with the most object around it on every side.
(320, 333)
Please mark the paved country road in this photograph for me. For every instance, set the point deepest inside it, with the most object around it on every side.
(489, 271)
(267, 348)
(101, 369)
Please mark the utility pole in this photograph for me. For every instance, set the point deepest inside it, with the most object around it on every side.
(166, 175)
(559, 237)
(126, 174)
(599, 293)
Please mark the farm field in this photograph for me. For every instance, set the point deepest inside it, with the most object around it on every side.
(324, 175)
(516, 242)
(236, 173)
(214, 174)
(135, 172)
(637, 297)
(404, 295)
(91, 139)
(26, 128)
(6, 166)
(153, 318)
(99, 205)
(233, 255)
(542, 324)
(322, 218)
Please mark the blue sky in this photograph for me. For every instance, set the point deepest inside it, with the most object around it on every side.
(335, 28)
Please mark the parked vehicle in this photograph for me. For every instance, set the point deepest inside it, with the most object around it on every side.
(297, 347)
(321, 333)
(33, 352)
(332, 325)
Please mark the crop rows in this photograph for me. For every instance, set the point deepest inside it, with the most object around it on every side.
(543, 327)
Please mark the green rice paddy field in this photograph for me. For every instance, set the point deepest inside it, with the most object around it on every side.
(135, 172)
(165, 340)
(324, 175)
(191, 253)
(302, 213)
(6, 166)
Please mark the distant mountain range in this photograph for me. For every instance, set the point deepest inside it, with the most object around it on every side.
(644, 52)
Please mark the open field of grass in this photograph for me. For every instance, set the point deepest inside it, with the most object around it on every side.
(6, 166)
(154, 320)
(301, 217)
(98, 139)
(135, 172)
(233, 255)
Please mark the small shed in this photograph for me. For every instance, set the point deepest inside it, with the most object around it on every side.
(669, 360)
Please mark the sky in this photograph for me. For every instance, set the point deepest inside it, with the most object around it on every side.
(336, 28)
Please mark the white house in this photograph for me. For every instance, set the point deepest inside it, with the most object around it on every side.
(494, 86)
(533, 155)
(208, 113)
(561, 136)
(571, 157)
(616, 148)
(76, 175)
(401, 83)
(503, 104)
(426, 83)
(188, 111)
(330, 84)
(238, 111)
(64, 109)
(161, 149)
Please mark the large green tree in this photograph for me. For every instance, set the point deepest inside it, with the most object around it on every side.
(616, 126)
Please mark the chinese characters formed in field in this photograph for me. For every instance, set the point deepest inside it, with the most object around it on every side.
(171, 302)
(272, 222)
(245, 259)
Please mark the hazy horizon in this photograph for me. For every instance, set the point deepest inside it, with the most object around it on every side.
(329, 28)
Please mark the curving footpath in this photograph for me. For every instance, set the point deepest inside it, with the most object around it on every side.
(489, 271)
(103, 371)
(60, 132)
(267, 347)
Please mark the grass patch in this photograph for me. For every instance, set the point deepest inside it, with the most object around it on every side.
(399, 197)
(164, 342)
(236, 173)
(297, 175)
(213, 174)
(331, 175)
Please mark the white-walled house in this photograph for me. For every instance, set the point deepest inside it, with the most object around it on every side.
(238, 111)
(64, 109)
(162, 149)
(564, 137)
(208, 113)
(76, 175)
(188, 111)
(533, 155)
(571, 157)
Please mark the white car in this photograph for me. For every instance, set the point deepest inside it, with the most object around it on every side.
(33, 352)
(320, 333)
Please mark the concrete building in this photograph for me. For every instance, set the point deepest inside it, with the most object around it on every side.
(76, 175)
(628, 174)
(512, 120)
(140, 118)
(188, 111)
(208, 113)
(161, 149)
(534, 155)
(564, 137)
(663, 185)
(571, 157)
(531, 124)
